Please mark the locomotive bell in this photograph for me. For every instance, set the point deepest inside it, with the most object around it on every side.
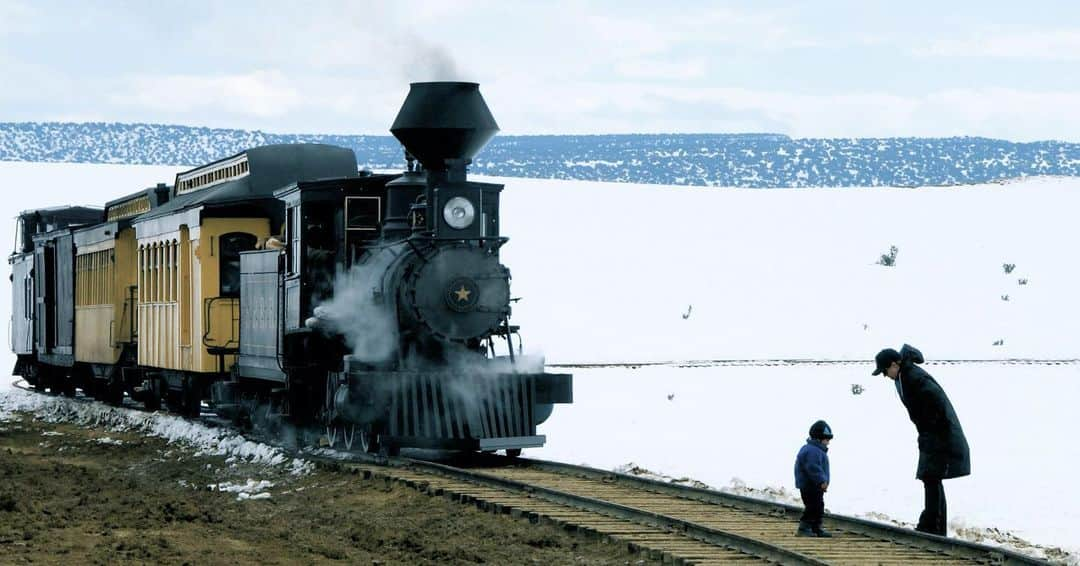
(444, 120)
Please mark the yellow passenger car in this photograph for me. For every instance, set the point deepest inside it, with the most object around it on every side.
(106, 293)
(187, 263)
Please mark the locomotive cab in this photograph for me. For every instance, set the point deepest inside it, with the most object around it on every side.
(327, 226)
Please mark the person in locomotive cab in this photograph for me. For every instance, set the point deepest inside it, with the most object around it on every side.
(318, 247)
(812, 479)
(943, 449)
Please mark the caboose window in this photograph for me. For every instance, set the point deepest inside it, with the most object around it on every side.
(229, 246)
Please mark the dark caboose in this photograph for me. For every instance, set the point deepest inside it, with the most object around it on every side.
(43, 298)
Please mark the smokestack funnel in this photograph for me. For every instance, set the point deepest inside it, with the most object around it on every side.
(442, 121)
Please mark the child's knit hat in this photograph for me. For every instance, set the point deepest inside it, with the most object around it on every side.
(820, 430)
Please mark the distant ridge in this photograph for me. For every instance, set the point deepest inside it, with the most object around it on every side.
(726, 160)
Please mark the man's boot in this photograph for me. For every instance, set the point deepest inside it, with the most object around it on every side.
(821, 532)
(927, 523)
(942, 529)
(805, 530)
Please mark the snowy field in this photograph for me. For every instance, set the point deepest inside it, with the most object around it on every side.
(606, 271)
(635, 273)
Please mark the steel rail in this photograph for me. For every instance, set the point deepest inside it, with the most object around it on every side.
(953, 547)
(716, 537)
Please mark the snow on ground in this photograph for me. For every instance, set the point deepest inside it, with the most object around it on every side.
(607, 271)
(205, 440)
(623, 273)
(250, 489)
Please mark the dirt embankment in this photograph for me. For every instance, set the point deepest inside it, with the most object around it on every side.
(86, 496)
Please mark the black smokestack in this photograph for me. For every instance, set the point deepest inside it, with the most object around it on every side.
(442, 121)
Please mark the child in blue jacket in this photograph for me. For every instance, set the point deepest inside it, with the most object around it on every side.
(812, 479)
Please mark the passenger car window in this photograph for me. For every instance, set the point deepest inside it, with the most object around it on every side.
(231, 245)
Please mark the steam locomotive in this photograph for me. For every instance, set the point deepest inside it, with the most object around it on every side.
(281, 284)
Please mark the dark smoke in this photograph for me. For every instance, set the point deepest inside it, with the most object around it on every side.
(425, 61)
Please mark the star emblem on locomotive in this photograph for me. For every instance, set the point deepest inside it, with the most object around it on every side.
(462, 294)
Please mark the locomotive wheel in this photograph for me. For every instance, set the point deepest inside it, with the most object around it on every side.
(54, 382)
(173, 403)
(40, 379)
(352, 437)
(94, 391)
(105, 391)
(245, 416)
(191, 402)
(114, 393)
(369, 441)
(389, 450)
(348, 434)
(329, 412)
(34, 377)
(268, 419)
(67, 386)
(513, 452)
(151, 400)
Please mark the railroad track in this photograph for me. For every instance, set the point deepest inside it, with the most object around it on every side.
(805, 362)
(674, 523)
(678, 524)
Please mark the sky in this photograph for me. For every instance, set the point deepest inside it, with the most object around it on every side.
(837, 69)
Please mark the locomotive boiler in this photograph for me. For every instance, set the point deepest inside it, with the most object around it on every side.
(283, 284)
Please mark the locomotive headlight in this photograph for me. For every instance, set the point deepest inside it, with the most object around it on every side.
(459, 213)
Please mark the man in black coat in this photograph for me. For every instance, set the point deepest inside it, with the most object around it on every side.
(943, 449)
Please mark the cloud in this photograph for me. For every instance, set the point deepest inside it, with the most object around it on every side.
(1053, 45)
(1011, 113)
(417, 41)
(17, 17)
(262, 100)
(668, 30)
(661, 69)
(758, 29)
(631, 107)
(259, 93)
